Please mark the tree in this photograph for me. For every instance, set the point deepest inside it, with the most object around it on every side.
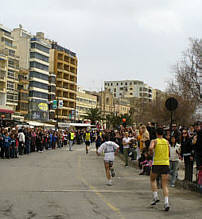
(93, 114)
(186, 82)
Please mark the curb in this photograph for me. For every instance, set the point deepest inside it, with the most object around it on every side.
(179, 183)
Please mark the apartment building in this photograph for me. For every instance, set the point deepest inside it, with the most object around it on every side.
(3, 78)
(8, 49)
(22, 42)
(39, 78)
(129, 89)
(84, 102)
(64, 65)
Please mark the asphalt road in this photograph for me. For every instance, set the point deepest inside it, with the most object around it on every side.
(60, 184)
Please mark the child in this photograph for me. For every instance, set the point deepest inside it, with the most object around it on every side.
(146, 165)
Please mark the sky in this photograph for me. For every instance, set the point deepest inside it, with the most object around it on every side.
(113, 39)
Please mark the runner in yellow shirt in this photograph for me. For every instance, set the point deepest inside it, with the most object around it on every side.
(160, 150)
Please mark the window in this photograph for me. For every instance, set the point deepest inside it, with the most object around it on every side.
(11, 63)
(12, 97)
(130, 83)
(111, 84)
(131, 88)
(39, 56)
(40, 47)
(126, 83)
(121, 83)
(140, 89)
(131, 94)
(39, 66)
(11, 52)
(11, 74)
(10, 85)
(38, 75)
(117, 84)
(38, 94)
(121, 88)
(114, 89)
(8, 43)
(38, 85)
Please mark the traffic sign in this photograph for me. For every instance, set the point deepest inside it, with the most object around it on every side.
(171, 104)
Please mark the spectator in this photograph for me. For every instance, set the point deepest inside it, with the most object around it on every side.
(174, 160)
(187, 154)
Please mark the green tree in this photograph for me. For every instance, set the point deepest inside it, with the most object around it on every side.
(93, 114)
(113, 121)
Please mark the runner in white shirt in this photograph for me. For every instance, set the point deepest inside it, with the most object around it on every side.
(110, 149)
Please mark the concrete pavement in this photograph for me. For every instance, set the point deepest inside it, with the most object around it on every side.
(61, 184)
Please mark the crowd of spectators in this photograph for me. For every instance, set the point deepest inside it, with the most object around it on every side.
(185, 144)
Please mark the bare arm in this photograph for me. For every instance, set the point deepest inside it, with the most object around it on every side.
(152, 146)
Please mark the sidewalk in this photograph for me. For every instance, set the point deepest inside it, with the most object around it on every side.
(180, 183)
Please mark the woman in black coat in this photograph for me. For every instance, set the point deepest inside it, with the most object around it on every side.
(187, 154)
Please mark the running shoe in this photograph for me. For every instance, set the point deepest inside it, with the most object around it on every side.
(166, 207)
(109, 183)
(155, 201)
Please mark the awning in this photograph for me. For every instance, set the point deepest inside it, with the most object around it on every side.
(6, 110)
(40, 124)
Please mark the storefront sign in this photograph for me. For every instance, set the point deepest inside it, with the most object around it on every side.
(43, 107)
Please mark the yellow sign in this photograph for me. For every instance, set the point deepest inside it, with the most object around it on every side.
(43, 107)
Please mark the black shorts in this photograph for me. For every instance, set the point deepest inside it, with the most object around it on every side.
(160, 169)
(87, 143)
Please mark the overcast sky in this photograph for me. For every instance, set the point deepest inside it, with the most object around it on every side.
(113, 39)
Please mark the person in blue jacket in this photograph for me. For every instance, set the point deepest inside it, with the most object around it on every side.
(7, 143)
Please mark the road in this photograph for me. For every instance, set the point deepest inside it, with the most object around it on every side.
(60, 184)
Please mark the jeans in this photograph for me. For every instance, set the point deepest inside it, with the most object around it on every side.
(125, 152)
(70, 145)
(174, 165)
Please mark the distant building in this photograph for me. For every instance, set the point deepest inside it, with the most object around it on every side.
(129, 89)
(22, 43)
(84, 102)
(63, 63)
(121, 106)
(39, 78)
(8, 49)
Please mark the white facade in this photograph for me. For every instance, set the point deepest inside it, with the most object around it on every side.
(129, 88)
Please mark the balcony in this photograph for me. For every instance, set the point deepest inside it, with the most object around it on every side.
(2, 75)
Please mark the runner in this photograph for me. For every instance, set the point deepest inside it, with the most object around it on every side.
(87, 140)
(110, 148)
(160, 149)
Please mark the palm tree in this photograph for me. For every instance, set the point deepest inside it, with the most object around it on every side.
(93, 114)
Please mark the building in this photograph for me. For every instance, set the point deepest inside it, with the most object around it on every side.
(22, 42)
(8, 49)
(84, 101)
(105, 101)
(39, 78)
(121, 106)
(129, 89)
(3, 78)
(64, 64)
